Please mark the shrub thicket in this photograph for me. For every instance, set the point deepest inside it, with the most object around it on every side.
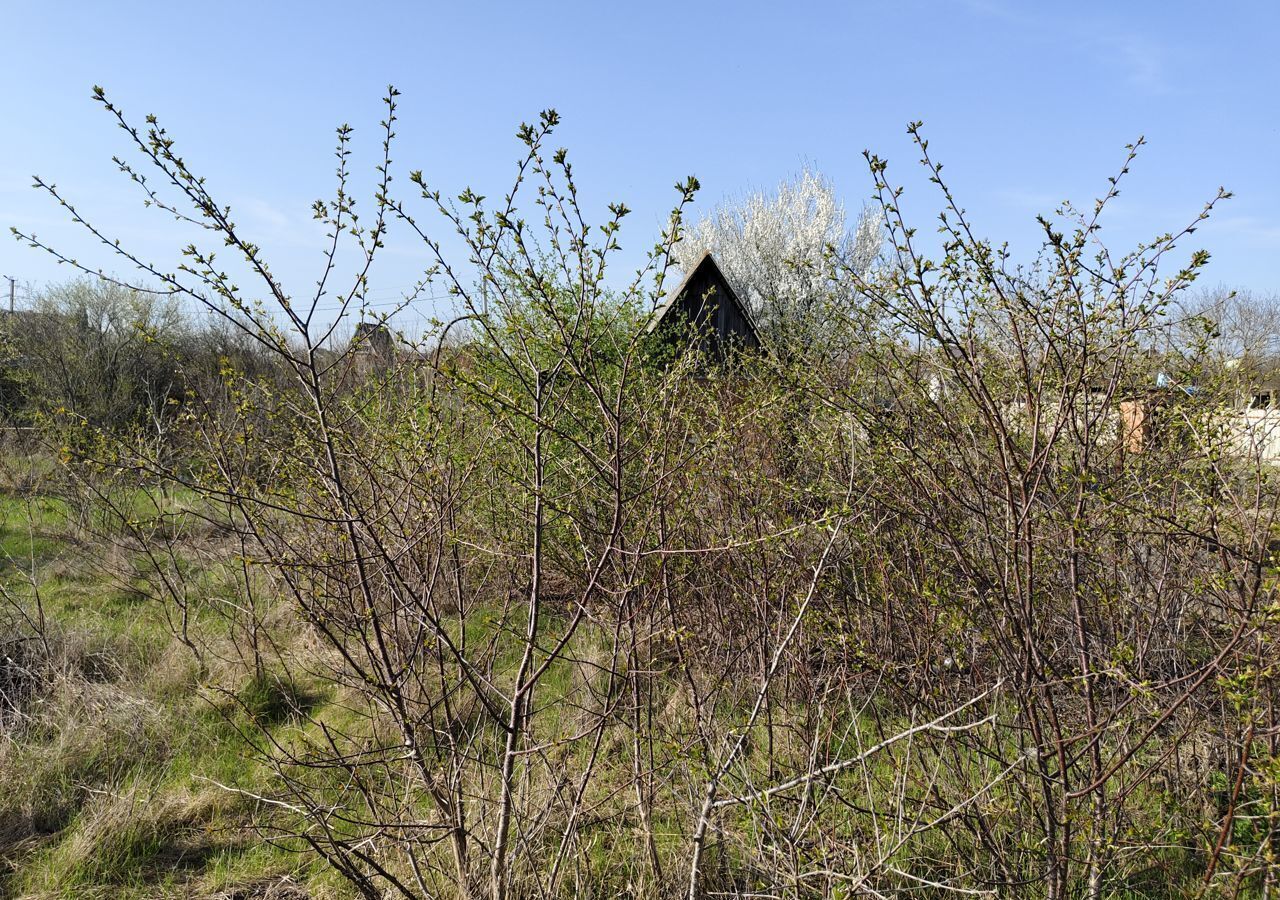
(533, 612)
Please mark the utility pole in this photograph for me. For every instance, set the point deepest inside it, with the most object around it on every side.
(12, 289)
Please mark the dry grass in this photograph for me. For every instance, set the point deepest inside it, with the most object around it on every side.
(104, 759)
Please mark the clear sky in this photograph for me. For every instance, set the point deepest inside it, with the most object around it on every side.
(1027, 104)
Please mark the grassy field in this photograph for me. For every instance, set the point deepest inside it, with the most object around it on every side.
(110, 747)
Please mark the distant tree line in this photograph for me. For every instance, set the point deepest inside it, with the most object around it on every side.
(113, 356)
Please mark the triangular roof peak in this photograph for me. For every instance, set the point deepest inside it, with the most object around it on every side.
(704, 273)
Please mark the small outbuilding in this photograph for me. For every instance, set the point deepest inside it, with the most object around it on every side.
(704, 308)
(374, 339)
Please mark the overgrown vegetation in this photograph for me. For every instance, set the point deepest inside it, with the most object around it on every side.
(976, 596)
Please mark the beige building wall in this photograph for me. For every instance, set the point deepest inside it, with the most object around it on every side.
(1257, 433)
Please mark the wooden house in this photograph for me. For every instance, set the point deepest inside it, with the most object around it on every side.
(374, 340)
(706, 311)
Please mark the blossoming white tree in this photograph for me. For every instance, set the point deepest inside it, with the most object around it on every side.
(775, 250)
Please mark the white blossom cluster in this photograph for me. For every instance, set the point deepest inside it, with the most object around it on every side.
(774, 250)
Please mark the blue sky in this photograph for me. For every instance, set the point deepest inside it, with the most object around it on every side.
(1027, 104)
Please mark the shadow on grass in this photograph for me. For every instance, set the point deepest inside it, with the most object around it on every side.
(271, 700)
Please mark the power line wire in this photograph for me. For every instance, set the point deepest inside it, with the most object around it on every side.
(406, 302)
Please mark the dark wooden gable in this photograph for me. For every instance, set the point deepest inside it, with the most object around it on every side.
(705, 308)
